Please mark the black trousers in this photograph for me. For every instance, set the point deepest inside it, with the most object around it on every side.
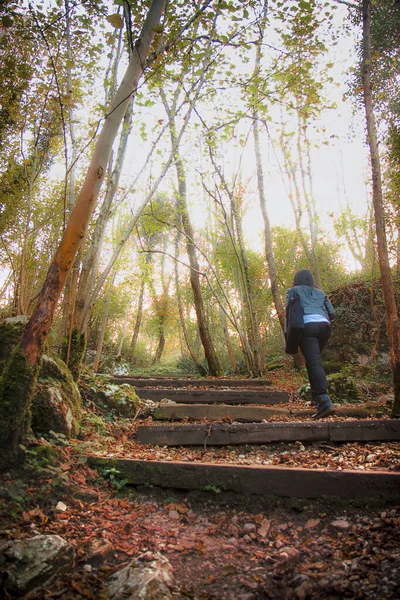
(313, 340)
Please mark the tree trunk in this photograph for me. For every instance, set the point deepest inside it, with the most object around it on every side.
(138, 323)
(13, 428)
(209, 351)
(392, 320)
(41, 320)
(89, 266)
(160, 348)
(70, 286)
(193, 355)
(123, 334)
(269, 252)
(250, 308)
(229, 347)
(100, 339)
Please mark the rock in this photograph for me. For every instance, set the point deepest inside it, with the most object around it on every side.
(121, 398)
(142, 580)
(357, 327)
(249, 527)
(386, 399)
(341, 524)
(311, 523)
(288, 552)
(174, 515)
(98, 551)
(28, 564)
(87, 568)
(371, 458)
(265, 526)
(10, 335)
(57, 403)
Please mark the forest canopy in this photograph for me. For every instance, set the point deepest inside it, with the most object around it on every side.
(240, 156)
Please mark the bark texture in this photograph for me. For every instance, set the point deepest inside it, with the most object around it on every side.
(392, 319)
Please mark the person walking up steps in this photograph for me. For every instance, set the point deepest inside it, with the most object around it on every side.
(313, 337)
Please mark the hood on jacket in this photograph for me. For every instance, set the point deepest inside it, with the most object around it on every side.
(304, 277)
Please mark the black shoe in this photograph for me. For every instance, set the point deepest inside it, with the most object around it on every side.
(325, 407)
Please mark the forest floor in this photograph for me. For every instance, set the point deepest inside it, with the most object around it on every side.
(221, 545)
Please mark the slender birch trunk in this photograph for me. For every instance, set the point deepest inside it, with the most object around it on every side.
(138, 323)
(209, 351)
(185, 332)
(104, 319)
(123, 334)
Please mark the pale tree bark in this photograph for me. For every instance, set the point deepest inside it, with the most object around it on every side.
(295, 197)
(303, 147)
(251, 312)
(90, 261)
(70, 286)
(160, 304)
(90, 298)
(229, 347)
(269, 252)
(182, 319)
(205, 336)
(268, 247)
(123, 333)
(92, 290)
(392, 319)
(103, 327)
(89, 265)
(138, 322)
(246, 329)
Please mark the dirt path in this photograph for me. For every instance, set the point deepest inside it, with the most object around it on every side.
(220, 546)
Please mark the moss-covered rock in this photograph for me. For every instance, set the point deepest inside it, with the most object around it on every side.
(120, 398)
(57, 403)
(10, 335)
(342, 389)
(17, 385)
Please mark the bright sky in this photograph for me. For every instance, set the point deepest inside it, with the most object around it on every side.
(341, 164)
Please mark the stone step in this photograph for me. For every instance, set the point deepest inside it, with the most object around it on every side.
(226, 434)
(248, 414)
(174, 382)
(214, 396)
(265, 480)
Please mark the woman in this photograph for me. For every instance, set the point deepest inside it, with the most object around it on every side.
(317, 312)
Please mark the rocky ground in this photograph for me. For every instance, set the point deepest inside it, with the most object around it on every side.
(219, 545)
(210, 545)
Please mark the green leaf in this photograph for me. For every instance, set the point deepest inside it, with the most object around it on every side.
(7, 21)
(115, 20)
